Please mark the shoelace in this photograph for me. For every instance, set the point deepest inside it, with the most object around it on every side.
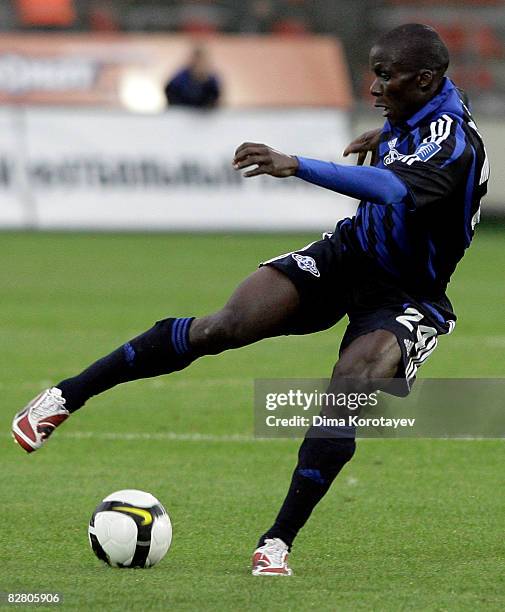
(47, 405)
(275, 551)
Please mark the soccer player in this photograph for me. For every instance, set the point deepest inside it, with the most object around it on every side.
(387, 269)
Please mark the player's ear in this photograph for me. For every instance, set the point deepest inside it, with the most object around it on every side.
(425, 78)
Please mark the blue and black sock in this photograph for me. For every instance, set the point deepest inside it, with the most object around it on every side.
(160, 350)
(319, 461)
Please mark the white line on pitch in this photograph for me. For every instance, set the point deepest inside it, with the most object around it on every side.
(165, 435)
(201, 437)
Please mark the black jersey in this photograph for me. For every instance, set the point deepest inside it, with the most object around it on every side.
(439, 155)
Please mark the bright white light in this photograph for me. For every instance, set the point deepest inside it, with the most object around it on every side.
(141, 93)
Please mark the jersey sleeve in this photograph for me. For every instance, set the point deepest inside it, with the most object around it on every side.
(438, 165)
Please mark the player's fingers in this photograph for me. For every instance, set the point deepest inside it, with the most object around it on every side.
(356, 146)
(256, 171)
(248, 144)
(250, 160)
(246, 154)
(353, 147)
(247, 148)
(243, 145)
(361, 157)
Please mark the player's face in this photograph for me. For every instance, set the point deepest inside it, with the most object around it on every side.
(398, 91)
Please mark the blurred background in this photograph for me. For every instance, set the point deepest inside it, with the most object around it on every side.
(124, 114)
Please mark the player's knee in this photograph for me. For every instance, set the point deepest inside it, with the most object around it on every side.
(368, 366)
(222, 331)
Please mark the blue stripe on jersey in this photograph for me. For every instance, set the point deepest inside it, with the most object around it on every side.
(468, 201)
(363, 215)
(417, 137)
(459, 146)
(399, 235)
(431, 257)
(383, 149)
(383, 226)
(378, 215)
(366, 219)
(361, 233)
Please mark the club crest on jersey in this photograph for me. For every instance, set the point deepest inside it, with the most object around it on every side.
(306, 263)
(440, 130)
(392, 156)
(424, 152)
(427, 150)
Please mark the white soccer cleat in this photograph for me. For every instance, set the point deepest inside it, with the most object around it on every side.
(36, 422)
(271, 559)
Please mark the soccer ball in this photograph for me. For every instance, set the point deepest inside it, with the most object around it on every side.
(130, 528)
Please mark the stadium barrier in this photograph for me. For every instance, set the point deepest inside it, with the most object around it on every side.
(100, 170)
(130, 71)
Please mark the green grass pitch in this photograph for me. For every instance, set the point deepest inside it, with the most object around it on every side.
(409, 525)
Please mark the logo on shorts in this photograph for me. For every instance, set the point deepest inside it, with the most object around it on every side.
(306, 263)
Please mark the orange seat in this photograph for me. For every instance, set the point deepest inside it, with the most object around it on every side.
(487, 43)
(59, 13)
(455, 36)
(290, 26)
(473, 78)
(102, 19)
(198, 26)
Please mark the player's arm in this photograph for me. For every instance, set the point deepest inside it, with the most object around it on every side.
(361, 182)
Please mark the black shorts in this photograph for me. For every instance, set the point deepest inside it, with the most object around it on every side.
(333, 281)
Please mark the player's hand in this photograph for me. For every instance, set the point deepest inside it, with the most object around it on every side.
(264, 160)
(369, 141)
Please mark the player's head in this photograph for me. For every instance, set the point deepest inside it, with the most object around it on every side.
(409, 63)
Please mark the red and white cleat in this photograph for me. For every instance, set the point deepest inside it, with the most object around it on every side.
(36, 422)
(271, 559)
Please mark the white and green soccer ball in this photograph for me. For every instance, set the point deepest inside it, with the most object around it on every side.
(130, 528)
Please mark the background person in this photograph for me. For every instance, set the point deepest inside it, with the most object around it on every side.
(194, 85)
